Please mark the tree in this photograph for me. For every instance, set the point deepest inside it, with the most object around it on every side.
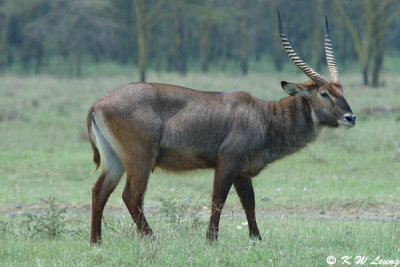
(276, 50)
(4, 43)
(379, 29)
(376, 23)
(71, 28)
(145, 21)
(205, 44)
(180, 36)
(244, 35)
(169, 34)
(20, 12)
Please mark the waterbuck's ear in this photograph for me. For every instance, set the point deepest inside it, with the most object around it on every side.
(293, 89)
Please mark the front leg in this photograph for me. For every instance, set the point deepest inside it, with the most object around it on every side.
(225, 174)
(244, 189)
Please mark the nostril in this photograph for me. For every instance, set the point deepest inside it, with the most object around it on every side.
(348, 117)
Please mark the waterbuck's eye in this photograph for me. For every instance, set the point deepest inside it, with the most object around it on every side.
(323, 94)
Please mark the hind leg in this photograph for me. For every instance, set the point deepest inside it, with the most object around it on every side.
(139, 135)
(111, 174)
(138, 167)
(101, 190)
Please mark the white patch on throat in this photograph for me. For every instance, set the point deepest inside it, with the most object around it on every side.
(314, 117)
(317, 125)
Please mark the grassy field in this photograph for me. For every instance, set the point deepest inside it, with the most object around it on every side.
(339, 196)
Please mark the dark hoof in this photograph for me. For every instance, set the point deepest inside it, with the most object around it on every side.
(212, 237)
(148, 235)
(95, 242)
(256, 238)
(151, 237)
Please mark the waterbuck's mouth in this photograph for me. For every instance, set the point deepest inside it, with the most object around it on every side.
(346, 124)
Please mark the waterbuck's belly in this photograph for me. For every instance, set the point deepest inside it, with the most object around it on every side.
(184, 159)
(188, 159)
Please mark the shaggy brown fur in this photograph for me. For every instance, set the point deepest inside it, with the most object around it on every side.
(140, 126)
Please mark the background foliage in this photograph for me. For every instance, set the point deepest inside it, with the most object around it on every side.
(68, 36)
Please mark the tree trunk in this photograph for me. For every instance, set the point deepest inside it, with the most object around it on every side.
(143, 75)
(224, 49)
(158, 64)
(180, 46)
(276, 47)
(365, 75)
(26, 54)
(38, 58)
(141, 39)
(205, 31)
(243, 27)
(4, 44)
(380, 26)
(361, 45)
(259, 32)
(316, 54)
(78, 64)
(156, 52)
(378, 61)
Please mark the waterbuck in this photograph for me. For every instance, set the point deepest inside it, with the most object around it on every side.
(141, 126)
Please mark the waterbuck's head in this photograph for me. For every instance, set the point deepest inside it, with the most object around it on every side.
(329, 107)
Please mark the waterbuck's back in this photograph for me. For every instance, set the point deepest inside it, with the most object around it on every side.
(184, 127)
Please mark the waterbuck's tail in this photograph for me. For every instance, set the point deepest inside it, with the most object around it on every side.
(96, 154)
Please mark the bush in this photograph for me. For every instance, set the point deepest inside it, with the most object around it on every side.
(51, 222)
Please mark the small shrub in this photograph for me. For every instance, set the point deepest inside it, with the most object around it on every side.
(51, 222)
(180, 215)
(170, 211)
(9, 114)
(4, 228)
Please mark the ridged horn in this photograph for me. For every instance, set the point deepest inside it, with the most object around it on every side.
(330, 58)
(313, 75)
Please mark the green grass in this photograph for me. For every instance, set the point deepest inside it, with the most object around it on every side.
(44, 152)
(288, 242)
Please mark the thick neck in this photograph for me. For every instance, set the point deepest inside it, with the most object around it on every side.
(289, 125)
